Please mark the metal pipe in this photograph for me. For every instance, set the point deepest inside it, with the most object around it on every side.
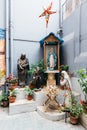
(59, 13)
(80, 15)
(7, 37)
(25, 40)
(11, 34)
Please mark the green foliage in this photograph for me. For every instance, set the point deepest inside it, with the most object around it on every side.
(11, 79)
(64, 67)
(76, 110)
(76, 107)
(3, 97)
(13, 93)
(29, 91)
(82, 79)
(73, 99)
(40, 64)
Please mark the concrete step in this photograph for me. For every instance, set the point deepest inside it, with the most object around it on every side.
(21, 106)
(51, 115)
(20, 94)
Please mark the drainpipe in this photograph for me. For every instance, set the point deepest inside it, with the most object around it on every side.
(7, 37)
(80, 15)
(11, 34)
(59, 13)
(60, 21)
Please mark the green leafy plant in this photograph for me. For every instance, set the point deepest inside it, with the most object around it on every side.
(29, 91)
(76, 107)
(4, 97)
(11, 79)
(39, 64)
(82, 79)
(64, 67)
(13, 93)
(76, 110)
(4, 101)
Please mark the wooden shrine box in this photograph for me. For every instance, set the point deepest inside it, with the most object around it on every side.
(51, 41)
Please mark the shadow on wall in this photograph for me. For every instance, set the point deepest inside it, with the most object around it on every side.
(76, 87)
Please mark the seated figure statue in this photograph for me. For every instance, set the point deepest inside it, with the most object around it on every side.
(22, 67)
(37, 78)
(51, 59)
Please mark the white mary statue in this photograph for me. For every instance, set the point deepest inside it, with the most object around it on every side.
(51, 59)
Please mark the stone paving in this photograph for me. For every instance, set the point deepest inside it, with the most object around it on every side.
(32, 121)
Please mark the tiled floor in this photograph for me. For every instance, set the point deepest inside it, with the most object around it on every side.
(32, 121)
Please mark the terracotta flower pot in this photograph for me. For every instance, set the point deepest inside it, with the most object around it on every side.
(5, 103)
(12, 99)
(12, 87)
(73, 120)
(31, 86)
(62, 87)
(29, 97)
(15, 84)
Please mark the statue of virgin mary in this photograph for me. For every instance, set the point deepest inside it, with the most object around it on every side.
(51, 59)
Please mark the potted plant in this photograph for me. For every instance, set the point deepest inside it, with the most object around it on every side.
(12, 81)
(12, 96)
(29, 93)
(32, 84)
(82, 80)
(75, 110)
(4, 99)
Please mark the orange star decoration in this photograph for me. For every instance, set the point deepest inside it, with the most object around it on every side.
(47, 12)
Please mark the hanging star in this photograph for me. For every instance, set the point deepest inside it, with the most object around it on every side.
(47, 12)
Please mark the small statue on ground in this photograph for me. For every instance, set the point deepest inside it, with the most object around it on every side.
(22, 67)
(51, 59)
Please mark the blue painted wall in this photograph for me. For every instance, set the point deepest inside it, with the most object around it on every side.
(75, 36)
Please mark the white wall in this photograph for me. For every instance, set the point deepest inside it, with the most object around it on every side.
(33, 52)
(2, 14)
(27, 24)
(76, 87)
